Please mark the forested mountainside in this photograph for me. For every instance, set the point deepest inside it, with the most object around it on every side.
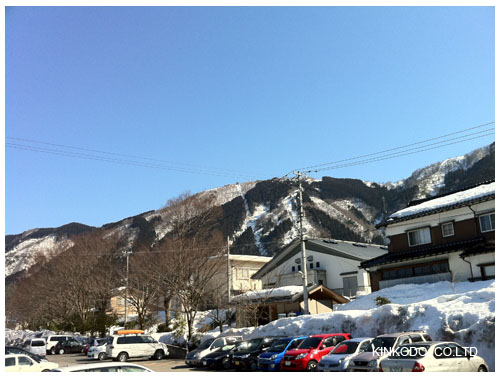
(261, 217)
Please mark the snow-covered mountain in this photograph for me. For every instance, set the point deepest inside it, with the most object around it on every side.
(260, 217)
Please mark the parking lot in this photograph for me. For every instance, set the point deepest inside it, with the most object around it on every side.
(161, 365)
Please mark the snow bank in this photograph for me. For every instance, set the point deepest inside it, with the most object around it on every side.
(464, 313)
(270, 293)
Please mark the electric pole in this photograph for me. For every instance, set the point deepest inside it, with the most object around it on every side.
(303, 246)
(127, 254)
(228, 274)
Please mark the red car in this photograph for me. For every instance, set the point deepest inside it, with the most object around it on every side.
(310, 351)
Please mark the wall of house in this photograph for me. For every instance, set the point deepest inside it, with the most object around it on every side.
(461, 270)
(333, 266)
(465, 224)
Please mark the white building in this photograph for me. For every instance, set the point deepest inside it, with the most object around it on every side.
(331, 263)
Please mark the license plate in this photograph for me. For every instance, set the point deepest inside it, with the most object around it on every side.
(236, 362)
(288, 363)
(396, 369)
(205, 363)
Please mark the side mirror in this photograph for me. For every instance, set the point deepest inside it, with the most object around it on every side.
(322, 346)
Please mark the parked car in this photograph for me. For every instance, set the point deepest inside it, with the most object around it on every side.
(93, 342)
(246, 356)
(52, 340)
(105, 367)
(71, 346)
(16, 350)
(432, 356)
(310, 351)
(210, 345)
(24, 363)
(270, 360)
(221, 358)
(98, 351)
(121, 347)
(338, 359)
(369, 361)
(36, 346)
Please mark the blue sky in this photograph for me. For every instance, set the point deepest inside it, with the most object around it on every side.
(240, 93)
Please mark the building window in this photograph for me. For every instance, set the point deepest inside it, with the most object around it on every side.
(420, 270)
(487, 222)
(488, 271)
(317, 264)
(298, 268)
(311, 265)
(420, 236)
(293, 269)
(350, 285)
(242, 273)
(447, 229)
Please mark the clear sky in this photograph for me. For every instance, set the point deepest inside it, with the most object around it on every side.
(241, 93)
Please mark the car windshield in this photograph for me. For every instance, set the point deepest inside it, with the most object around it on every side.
(310, 342)
(383, 342)
(410, 352)
(101, 341)
(206, 344)
(348, 347)
(278, 346)
(226, 348)
(250, 345)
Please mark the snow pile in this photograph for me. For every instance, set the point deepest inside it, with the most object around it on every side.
(456, 198)
(270, 293)
(463, 312)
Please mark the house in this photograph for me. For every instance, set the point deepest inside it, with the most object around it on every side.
(446, 237)
(263, 306)
(332, 264)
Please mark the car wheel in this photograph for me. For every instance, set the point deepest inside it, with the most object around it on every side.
(226, 364)
(482, 369)
(61, 351)
(122, 357)
(101, 356)
(312, 365)
(45, 370)
(158, 354)
(52, 350)
(253, 365)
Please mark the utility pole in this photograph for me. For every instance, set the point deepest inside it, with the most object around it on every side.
(228, 274)
(127, 254)
(303, 246)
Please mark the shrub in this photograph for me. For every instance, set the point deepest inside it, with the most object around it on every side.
(380, 301)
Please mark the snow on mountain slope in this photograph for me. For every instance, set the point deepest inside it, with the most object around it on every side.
(463, 312)
(25, 254)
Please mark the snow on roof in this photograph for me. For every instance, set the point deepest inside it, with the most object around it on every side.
(445, 201)
(284, 291)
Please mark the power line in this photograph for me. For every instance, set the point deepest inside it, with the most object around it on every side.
(398, 148)
(119, 161)
(403, 153)
(126, 155)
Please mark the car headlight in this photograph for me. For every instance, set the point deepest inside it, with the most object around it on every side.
(302, 355)
(245, 355)
(341, 360)
(273, 357)
(372, 363)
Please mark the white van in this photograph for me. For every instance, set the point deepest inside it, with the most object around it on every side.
(127, 344)
(36, 346)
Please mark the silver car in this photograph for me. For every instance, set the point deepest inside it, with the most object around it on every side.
(338, 359)
(433, 356)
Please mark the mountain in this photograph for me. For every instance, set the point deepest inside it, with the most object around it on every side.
(260, 217)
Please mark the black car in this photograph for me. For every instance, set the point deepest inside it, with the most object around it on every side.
(16, 350)
(246, 356)
(70, 346)
(220, 359)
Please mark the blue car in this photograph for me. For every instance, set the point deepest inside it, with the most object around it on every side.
(271, 358)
